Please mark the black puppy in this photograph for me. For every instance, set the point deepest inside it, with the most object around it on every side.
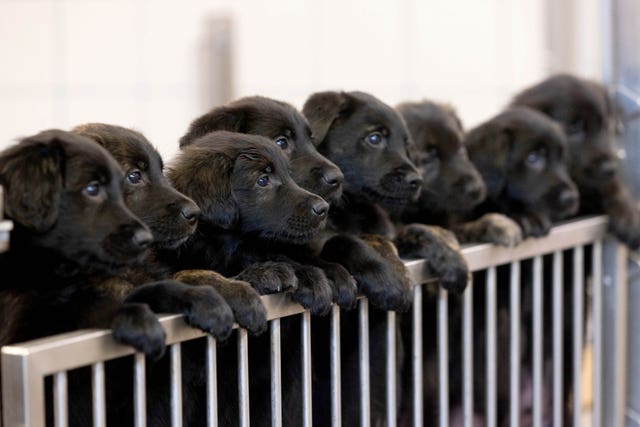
(451, 186)
(289, 130)
(64, 195)
(369, 141)
(522, 157)
(172, 218)
(586, 112)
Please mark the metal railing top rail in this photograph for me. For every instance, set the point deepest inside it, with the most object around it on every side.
(85, 347)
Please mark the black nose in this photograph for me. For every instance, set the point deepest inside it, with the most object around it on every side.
(333, 177)
(190, 212)
(608, 168)
(413, 179)
(142, 237)
(320, 208)
(568, 198)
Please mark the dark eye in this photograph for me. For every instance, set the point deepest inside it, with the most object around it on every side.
(431, 153)
(92, 189)
(263, 181)
(575, 127)
(134, 176)
(374, 138)
(536, 158)
(282, 142)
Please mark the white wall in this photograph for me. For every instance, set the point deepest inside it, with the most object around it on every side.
(138, 63)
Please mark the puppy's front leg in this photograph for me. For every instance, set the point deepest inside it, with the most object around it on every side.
(533, 224)
(441, 251)
(136, 325)
(244, 301)
(386, 286)
(490, 228)
(203, 307)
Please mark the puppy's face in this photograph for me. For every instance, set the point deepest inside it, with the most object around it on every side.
(369, 141)
(171, 215)
(242, 182)
(66, 191)
(584, 110)
(521, 155)
(287, 128)
(450, 182)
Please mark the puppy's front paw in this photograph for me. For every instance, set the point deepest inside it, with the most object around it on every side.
(624, 223)
(343, 284)
(136, 325)
(439, 249)
(313, 291)
(208, 311)
(244, 301)
(491, 228)
(533, 224)
(270, 277)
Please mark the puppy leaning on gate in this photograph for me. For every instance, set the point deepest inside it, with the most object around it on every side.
(64, 194)
(172, 217)
(368, 140)
(587, 113)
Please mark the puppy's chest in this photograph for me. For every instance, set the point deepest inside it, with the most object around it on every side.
(361, 218)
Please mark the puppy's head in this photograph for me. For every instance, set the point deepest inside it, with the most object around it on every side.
(65, 192)
(242, 182)
(450, 182)
(585, 111)
(287, 128)
(171, 215)
(521, 155)
(369, 141)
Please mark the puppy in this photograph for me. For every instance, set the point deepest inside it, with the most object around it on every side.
(289, 130)
(64, 195)
(369, 141)
(452, 186)
(586, 112)
(172, 218)
(522, 157)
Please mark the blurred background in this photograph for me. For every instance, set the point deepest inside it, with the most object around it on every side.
(154, 65)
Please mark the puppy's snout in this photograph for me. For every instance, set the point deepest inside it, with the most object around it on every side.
(142, 237)
(320, 208)
(190, 212)
(568, 198)
(608, 168)
(414, 180)
(333, 178)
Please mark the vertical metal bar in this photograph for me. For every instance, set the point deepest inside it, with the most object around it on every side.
(365, 403)
(212, 383)
(492, 377)
(615, 311)
(97, 387)
(139, 391)
(443, 357)
(514, 345)
(24, 405)
(558, 289)
(597, 334)
(336, 389)
(60, 399)
(306, 369)
(176, 386)
(276, 377)
(418, 410)
(391, 369)
(467, 356)
(243, 377)
(578, 331)
(537, 341)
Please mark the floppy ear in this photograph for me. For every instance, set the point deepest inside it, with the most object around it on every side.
(31, 173)
(222, 118)
(488, 146)
(321, 109)
(207, 181)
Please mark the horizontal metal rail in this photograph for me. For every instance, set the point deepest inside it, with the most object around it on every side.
(24, 365)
